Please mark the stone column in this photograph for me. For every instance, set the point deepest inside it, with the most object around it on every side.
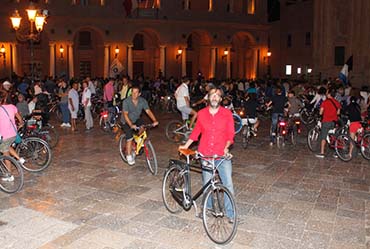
(52, 59)
(228, 64)
(14, 59)
(254, 63)
(71, 70)
(162, 59)
(106, 61)
(130, 63)
(183, 62)
(213, 63)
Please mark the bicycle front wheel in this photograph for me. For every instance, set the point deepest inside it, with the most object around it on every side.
(238, 124)
(11, 175)
(36, 152)
(51, 136)
(219, 214)
(342, 147)
(313, 139)
(122, 147)
(365, 146)
(173, 187)
(175, 131)
(151, 158)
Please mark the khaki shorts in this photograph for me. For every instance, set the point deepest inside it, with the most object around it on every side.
(5, 144)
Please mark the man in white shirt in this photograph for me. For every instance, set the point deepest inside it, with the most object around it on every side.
(73, 101)
(86, 102)
(91, 86)
(183, 102)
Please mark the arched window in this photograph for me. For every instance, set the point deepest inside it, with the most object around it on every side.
(138, 42)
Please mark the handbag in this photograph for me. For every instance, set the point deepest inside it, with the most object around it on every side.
(18, 138)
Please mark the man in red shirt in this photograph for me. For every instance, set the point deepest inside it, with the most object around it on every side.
(216, 125)
(329, 110)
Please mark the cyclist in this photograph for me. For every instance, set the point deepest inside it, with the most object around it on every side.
(216, 126)
(250, 106)
(132, 107)
(329, 110)
(278, 102)
(183, 102)
(8, 131)
(354, 115)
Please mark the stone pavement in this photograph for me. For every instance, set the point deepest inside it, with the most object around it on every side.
(89, 198)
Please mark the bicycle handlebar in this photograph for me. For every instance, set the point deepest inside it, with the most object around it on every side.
(198, 155)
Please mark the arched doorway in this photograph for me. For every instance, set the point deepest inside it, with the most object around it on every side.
(88, 53)
(145, 54)
(198, 54)
(243, 58)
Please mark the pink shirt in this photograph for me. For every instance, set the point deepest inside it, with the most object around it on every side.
(108, 91)
(216, 130)
(6, 127)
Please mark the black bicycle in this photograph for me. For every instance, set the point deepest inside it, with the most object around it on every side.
(217, 199)
(11, 175)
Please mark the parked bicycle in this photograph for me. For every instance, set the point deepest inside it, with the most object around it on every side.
(217, 199)
(11, 175)
(140, 144)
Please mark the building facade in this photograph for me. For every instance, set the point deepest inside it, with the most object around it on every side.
(98, 38)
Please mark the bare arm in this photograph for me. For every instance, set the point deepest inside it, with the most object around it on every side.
(152, 117)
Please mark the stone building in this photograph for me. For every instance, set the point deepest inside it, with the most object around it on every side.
(222, 39)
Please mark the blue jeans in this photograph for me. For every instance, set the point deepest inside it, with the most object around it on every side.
(274, 120)
(65, 112)
(225, 173)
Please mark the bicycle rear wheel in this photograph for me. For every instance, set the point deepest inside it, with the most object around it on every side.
(219, 214)
(50, 135)
(365, 146)
(172, 189)
(36, 152)
(313, 139)
(175, 131)
(245, 137)
(150, 156)
(238, 123)
(11, 175)
(342, 147)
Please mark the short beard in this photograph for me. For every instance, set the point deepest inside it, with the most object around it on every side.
(214, 105)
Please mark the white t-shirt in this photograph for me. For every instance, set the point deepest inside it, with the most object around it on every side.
(73, 94)
(181, 92)
(86, 95)
(92, 87)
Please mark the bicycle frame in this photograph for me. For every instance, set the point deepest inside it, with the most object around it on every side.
(185, 198)
(139, 140)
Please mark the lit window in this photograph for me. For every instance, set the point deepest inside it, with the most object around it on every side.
(299, 70)
(102, 2)
(251, 7)
(288, 69)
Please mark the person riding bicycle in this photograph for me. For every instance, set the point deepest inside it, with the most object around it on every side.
(353, 110)
(132, 107)
(329, 110)
(8, 131)
(216, 126)
(278, 102)
(183, 102)
(250, 106)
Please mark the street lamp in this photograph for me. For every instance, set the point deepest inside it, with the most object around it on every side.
(2, 53)
(36, 20)
(61, 51)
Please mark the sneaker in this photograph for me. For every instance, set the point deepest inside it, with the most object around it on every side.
(320, 155)
(335, 155)
(21, 161)
(130, 160)
(271, 143)
(7, 177)
(68, 125)
(63, 125)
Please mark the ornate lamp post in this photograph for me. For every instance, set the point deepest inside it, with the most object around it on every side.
(36, 20)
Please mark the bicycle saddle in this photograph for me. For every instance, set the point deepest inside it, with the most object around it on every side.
(187, 152)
